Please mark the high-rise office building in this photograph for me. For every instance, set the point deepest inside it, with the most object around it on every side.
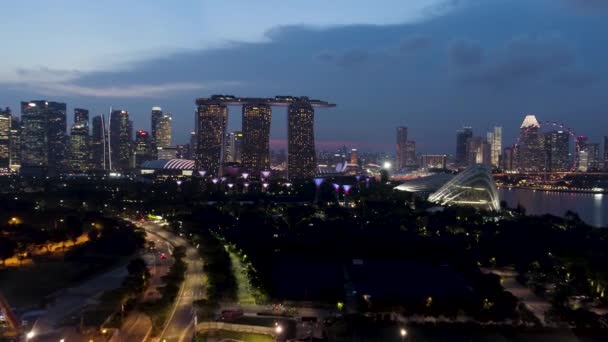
(81, 116)
(495, 141)
(480, 152)
(580, 144)
(594, 163)
(15, 143)
(401, 148)
(143, 147)
(301, 154)
(211, 119)
(121, 133)
(44, 141)
(606, 153)
(99, 144)
(557, 149)
(410, 154)
(5, 139)
(462, 144)
(354, 156)
(157, 113)
(233, 147)
(508, 158)
(163, 131)
(530, 151)
(256, 138)
(583, 161)
(79, 152)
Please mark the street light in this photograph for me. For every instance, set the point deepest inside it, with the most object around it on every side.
(30, 335)
(278, 329)
(403, 333)
(387, 165)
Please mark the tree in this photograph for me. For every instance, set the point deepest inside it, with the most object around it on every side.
(8, 248)
(73, 227)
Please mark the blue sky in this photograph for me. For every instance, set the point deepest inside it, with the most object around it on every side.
(431, 65)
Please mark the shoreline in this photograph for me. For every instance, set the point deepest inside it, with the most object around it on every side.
(572, 191)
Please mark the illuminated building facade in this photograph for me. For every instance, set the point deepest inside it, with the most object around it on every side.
(402, 143)
(79, 141)
(508, 158)
(557, 149)
(479, 152)
(354, 156)
(472, 187)
(256, 138)
(5, 140)
(410, 155)
(430, 161)
(121, 136)
(211, 119)
(301, 156)
(163, 131)
(530, 154)
(143, 147)
(43, 132)
(495, 141)
(156, 114)
(99, 144)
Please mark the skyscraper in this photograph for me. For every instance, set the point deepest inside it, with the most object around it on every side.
(81, 116)
(594, 163)
(99, 144)
(5, 139)
(401, 148)
(557, 148)
(79, 141)
(143, 147)
(163, 131)
(120, 140)
(211, 119)
(606, 153)
(157, 113)
(256, 138)
(580, 144)
(495, 141)
(354, 156)
(301, 155)
(462, 138)
(530, 155)
(15, 143)
(410, 153)
(508, 158)
(480, 152)
(43, 132)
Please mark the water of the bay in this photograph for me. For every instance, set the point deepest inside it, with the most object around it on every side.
(592, 208)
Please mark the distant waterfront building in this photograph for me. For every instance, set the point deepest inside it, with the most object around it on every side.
(583, 161)
(354, 156)
(121, 136)
(462, 145)
(557, 151)
(301, 156)
(155, 115)
(495, 141)
(430, 161)
(530, 151)
(479, 152)
(211, 119)
(606, 153)
(143, 147)
(79, 156)
(44, 140)
(256, 138)
(169, 152)
(163, 131)
(508, 159)
(594, 162)
(5, 139)
(410, 159)
(99, 144)
(15, 144)
(580, 144)
(401, 148)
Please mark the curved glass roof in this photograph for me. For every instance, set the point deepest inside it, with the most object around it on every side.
(472, 187)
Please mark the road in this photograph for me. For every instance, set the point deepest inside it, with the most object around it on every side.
(179, 325)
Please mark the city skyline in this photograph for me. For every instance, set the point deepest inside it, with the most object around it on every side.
(434, 59)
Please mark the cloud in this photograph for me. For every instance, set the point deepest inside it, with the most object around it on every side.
(465, 53)
(344, 59)
(125, 91)
(415, 43)
(523, 59)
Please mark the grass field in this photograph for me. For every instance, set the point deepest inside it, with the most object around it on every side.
(219, 335)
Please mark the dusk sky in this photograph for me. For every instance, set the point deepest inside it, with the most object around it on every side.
(431, 65)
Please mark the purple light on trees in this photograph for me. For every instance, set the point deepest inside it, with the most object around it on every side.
(265, 174)
(336, 187)
(178, 182)
(202, 173)
(346, 188)
(265, 185)
(215, 180)
(230, 185)
(358, 178)
(318, 182)
(245, 175)
(223, 179)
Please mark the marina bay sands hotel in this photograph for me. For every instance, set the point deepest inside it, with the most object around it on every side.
(212, 118)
